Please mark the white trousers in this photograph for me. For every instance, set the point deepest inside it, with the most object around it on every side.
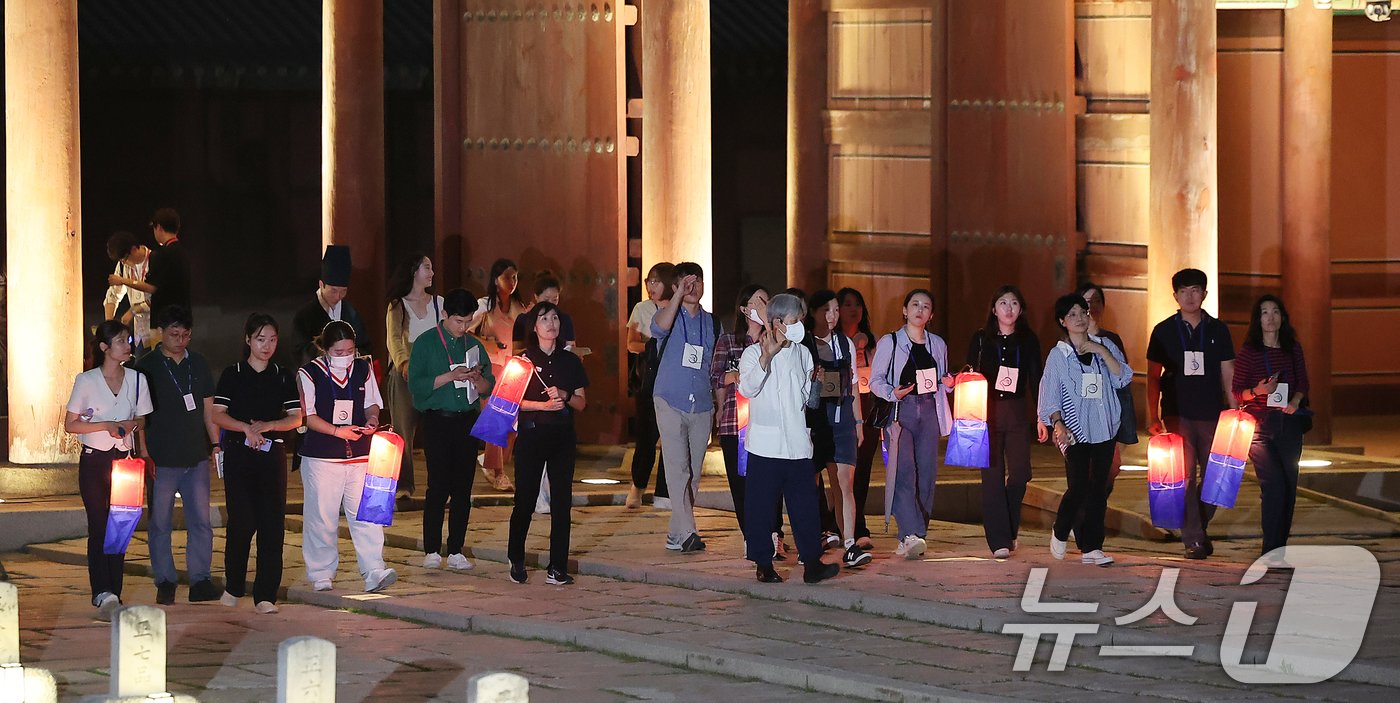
(328, 488)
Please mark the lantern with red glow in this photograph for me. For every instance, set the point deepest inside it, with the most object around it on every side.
(497, 419)
(381, 479)
(741, 411)
(1166, 481)
(1228, 454)
(124, 511)
(968, 443)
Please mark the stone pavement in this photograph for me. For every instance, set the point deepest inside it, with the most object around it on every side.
(897, 630)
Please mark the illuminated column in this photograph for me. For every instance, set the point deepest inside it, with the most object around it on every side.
(352, 147)
(677, 217)
(1307, 189)
(447, 147)
(43, 242)
(807, 207)
(1183, 209)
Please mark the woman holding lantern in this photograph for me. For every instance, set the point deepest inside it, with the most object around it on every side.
(255, 401)
(1007, 353)
(105, 410)
(1077, 400)
(341, 401)
(1271, 381)
(546, 442)
(910, 369)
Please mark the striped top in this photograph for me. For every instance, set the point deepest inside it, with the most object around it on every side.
(1254, 364)
(1091, 420)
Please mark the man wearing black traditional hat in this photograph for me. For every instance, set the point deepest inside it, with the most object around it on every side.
(330, 304)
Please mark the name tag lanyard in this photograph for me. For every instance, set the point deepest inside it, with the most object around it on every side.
(336, 399)
(685, 340)
(1091, 369)
(1185, 350)
(456, 385)
(187, 390)
(1001, 363)
(836, 362)
(1282, 386)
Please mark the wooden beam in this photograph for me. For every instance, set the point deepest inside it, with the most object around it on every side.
(865, 5)
(878, 127)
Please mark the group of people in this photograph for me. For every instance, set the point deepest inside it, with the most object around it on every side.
(800, 390)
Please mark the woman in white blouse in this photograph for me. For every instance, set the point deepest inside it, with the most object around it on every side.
(107, 407)
(776, 376)
(412, 311)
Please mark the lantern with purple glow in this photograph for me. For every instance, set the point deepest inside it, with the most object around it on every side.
(741, 411)
(127, 497)
(1228, 454)
(1166, 481)
(381, 479)
(497, 419)
(968, 443)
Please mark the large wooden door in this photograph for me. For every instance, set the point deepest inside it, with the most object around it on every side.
(543, 168)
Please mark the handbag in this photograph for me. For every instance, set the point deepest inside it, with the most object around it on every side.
(881, 410)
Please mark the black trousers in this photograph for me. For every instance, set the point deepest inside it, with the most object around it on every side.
(95, 485)
(729, 447)
(1196, 438)
(1004, 481)
(541, 448)
(645, 457)
(1277, 447)
(255, 484)
(1086, 468)
(865, 459)
(450, 451)
(770, 481)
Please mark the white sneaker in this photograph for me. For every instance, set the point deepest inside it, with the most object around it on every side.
(228, 599)
(661, 503)
(107, 606)
(322, 585)
(459, 562)
(1002, 553)
(1057, 547)
(380, 579)
(267, 607)
(432, 561)
(911, 547)
(1096, 557)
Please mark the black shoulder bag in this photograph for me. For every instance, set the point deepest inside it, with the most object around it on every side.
(881, 410)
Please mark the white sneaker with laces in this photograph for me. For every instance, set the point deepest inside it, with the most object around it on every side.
(911, 547)
(323, 585)
(1096, 557)
(107, 605)
(1057, 547)
(1002, 553)
(380, 579)
(432, 561)
(228, 599)
(267, 607)
(459, 562)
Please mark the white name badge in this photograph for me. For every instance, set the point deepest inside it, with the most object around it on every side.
(863, 374)
(831, 384)
(1007, 377)
(458, 384)
(189, 402)
(1091, 385)
(1194, 364)
(691, 355)
(342, 412)
(926, 381)
(1279, 398)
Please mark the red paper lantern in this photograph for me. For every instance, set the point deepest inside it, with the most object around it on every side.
(128, 482)
(514, 379)
(385, 455)
(970, 396)
(1166, 461)
(1233, 435)
(741, 409)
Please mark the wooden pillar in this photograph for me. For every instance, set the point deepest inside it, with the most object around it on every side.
(808, 212)
(352, 148)
(677, 216)
(1307, 188)
(43, 234)
(447, 140)
(1183, 207)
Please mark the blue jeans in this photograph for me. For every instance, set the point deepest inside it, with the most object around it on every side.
(193, 485)
(917, 464)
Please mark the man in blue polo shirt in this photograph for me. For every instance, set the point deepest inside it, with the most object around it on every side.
(1190, 364)
(685, 404)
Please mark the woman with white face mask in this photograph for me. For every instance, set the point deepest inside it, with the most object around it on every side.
(910, 369)
(340, 398)
(775, 374)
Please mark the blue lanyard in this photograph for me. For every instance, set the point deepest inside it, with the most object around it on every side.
(335, 387)
(685, 329)
(1268, 368)
(189, 375)
(1182, 336)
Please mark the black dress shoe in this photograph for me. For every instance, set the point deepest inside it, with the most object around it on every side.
(768, 575)
(202, 592)
(1197, 551)
(1209, 546)
(165, 593)
(819, 572)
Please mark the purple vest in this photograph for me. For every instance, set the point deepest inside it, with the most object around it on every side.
(323, 446)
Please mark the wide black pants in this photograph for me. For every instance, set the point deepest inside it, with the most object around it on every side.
(541, 448)
(95, 485)
(255, 484)
(450, 451)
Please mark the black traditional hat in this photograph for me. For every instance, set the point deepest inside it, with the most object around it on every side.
(335, 265)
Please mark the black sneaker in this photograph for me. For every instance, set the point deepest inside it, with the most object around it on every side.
(829, 540)
(204, 591)
(819, 572)
(518, 573)
(165, 593)
(768, 575)
(555, 577)
(1197, 551)
(855, 557)
(693, 543)
(1209, 545)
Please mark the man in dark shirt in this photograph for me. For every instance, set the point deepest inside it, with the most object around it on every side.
(1190, 365)
(169, 275)
(178, 436)
(330, 304)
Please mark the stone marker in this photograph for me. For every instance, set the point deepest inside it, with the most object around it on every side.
(498, 687)
(9, 624)
(39, 687)
(34, 685)
(306, 670)
(138, 651)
